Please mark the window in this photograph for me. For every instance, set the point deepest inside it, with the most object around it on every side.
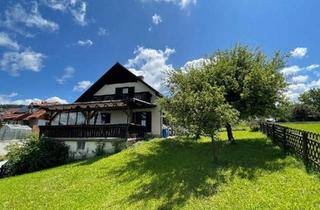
(81, 145)
(105, 118)
(72, 118)
(101, 118)
(124, 92)
(142, 118)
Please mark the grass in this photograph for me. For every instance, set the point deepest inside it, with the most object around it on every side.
(307, 126)
(172, 174)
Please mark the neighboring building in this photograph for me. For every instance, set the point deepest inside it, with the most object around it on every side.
(118, 107)
(32, 115)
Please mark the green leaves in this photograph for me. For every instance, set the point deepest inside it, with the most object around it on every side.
(235, 83)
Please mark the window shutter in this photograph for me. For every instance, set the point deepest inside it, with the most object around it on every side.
(131, 92)
(118, 93)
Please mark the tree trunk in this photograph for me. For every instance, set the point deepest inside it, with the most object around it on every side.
(214, 149)
(197, 135)
(230, 134)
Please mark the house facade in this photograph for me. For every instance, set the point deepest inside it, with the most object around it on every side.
(118, 108)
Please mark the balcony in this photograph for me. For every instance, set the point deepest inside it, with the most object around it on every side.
(123, 131)
(144, 96)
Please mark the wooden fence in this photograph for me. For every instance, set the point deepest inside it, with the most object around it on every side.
(302, 143)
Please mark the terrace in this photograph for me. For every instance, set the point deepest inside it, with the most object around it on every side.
(91, 120)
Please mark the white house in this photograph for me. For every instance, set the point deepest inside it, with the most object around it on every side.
(117, 108)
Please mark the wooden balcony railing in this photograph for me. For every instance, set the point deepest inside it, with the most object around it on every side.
(144, 96)
(87, 131)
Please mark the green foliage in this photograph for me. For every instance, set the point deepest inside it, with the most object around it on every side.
(197, 106)
(172, 174)
(254, 125)
(301, 112)
(36, 154)
(311, 98)
(99, 151)
(236, 83)
(283, 111)
(2, 157)
(251, 82)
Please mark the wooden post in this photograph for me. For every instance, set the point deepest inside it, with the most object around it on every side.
(127, 112)
(284, 140)
(305, 147)
(68, 118)
(273, 133)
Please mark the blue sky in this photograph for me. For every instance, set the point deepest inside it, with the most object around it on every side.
(54, 49)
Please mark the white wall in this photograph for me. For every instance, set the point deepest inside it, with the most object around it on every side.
(117, 117)
(89, 150)
(110, 88)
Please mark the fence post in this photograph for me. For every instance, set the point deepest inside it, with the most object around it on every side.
(284, 140)
(273, 133)
(305, 147)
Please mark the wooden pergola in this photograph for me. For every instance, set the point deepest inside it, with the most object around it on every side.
(89, 109)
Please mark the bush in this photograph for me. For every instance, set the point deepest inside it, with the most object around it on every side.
(254, 126)
(36, 154)
(100, 149)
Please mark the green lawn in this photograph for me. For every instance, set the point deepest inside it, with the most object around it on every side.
(166, 174)
(308, 126)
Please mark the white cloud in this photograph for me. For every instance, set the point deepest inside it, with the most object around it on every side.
(299, 52)
(14, 62)
(79, 12)
(313, 66)
(56, 99)
(103, 31)
(300, 79)
(7, 99)
(156, 19)
(13, 94)
(195, 64)
(77, 8)
(182, 3)
(6, 41)
(296, 89)
(68, 73)
(291, 70)
(84, 43)
(28, 16)
(151, 63)
(82, 85)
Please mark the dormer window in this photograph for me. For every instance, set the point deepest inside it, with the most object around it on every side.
(124, 92)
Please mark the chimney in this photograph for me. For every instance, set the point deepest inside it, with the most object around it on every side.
(141, 77)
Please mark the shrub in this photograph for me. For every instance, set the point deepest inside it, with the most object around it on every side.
(100, 149)
(36, 154)
(254, 126)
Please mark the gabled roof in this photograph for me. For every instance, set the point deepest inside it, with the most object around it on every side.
(116, 74)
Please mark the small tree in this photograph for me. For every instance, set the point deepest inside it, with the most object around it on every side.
(241, 82)
(301, 112)
(252, 84)
(196, 105)
(311, 98)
